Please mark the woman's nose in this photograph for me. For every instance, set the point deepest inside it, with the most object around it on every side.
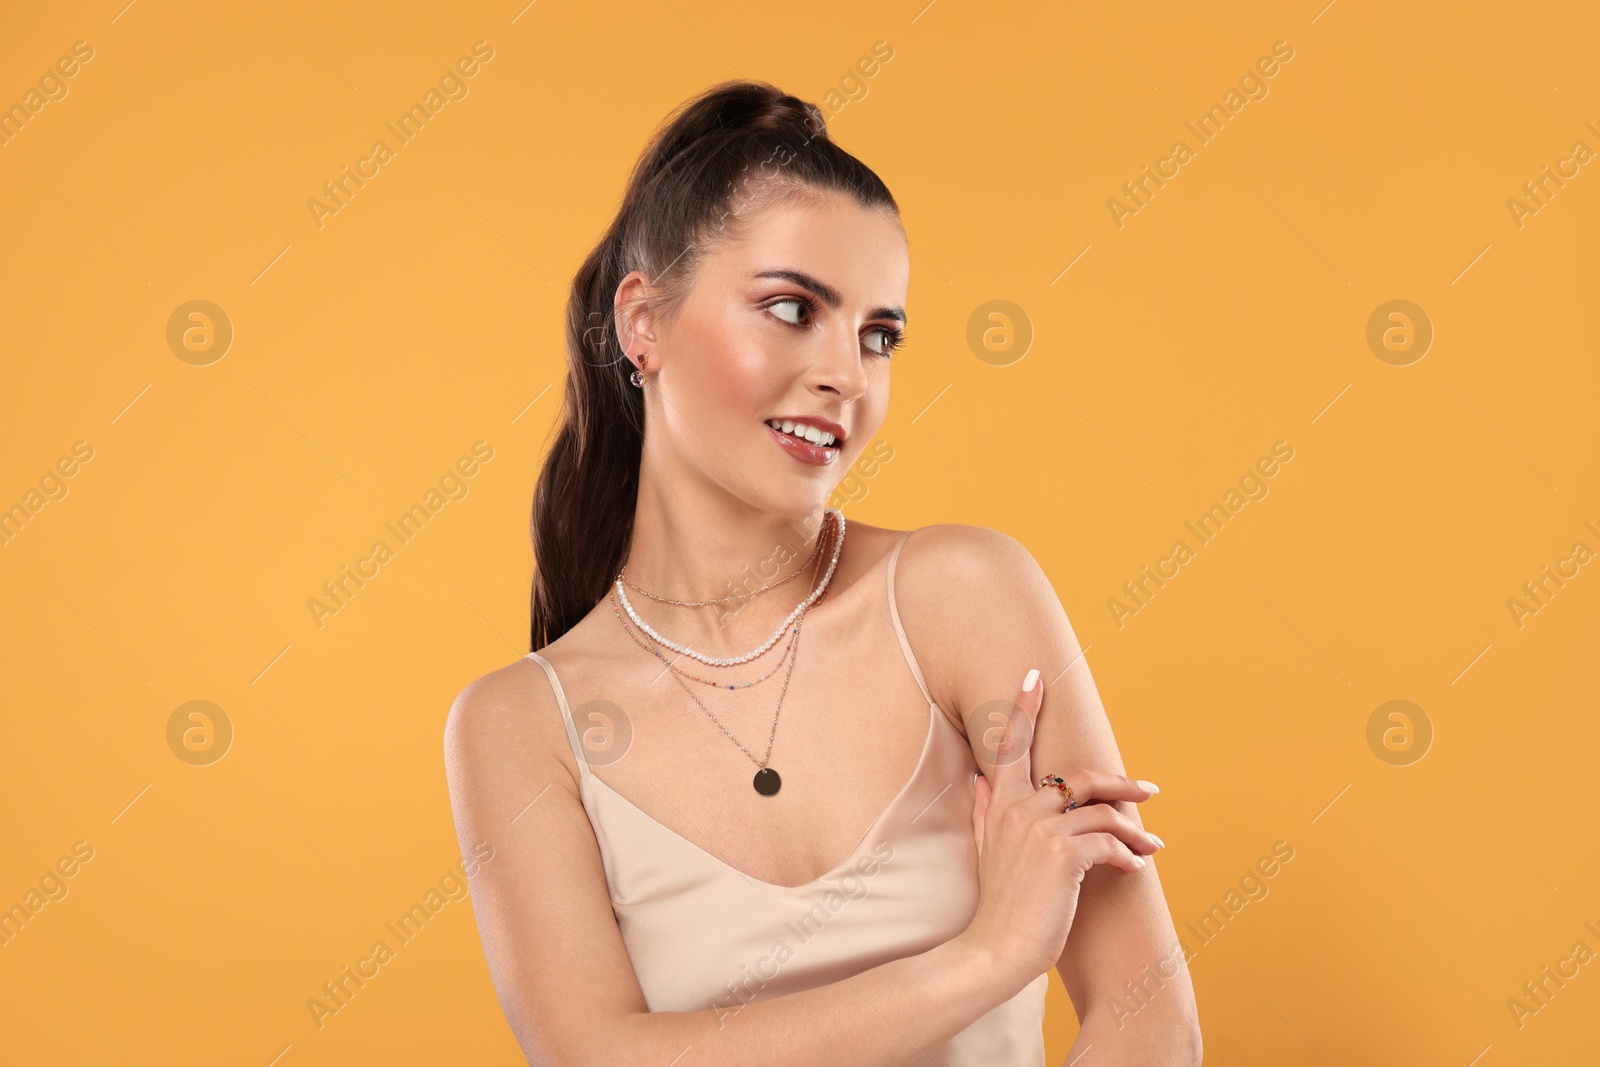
(839, 370)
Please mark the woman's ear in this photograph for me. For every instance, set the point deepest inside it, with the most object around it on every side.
(635, 323)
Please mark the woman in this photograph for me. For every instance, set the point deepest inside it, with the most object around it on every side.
(733, 796)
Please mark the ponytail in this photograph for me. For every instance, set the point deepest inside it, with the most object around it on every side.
(689, 190)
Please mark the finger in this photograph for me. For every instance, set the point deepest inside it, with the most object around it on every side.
(1102, 818)
(980, 805)
(1107, 849)
(1089, 786)
(1013, 771)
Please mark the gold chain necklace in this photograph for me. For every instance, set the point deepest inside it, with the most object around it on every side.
(767, 781)
(783, 627)
(641, 642)
(672, 665)
(815, 553)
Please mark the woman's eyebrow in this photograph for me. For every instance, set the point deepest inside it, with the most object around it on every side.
(827, 293)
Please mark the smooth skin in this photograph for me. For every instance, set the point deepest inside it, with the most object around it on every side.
(986, 612)
(1055, 889)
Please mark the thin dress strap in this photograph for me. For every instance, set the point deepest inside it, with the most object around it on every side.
(566, 712)
(899, 630)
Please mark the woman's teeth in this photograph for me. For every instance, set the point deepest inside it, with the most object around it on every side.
(806, 433)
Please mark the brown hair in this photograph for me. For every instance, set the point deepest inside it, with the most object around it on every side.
(688, 191)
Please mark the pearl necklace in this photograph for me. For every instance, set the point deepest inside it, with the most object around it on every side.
(642, 643)
(730, 661)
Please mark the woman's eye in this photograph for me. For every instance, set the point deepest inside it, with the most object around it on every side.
(796, 301)
(802, 311)
(889, 342)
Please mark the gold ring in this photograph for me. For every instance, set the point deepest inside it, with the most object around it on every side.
(1060, 784)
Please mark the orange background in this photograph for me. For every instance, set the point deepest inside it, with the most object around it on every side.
(1167, 354)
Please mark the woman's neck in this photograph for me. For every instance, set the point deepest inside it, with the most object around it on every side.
(680, 553)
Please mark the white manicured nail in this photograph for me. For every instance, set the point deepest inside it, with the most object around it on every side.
(1031, 680)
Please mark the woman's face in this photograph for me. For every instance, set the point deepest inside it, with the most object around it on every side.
(796, 320)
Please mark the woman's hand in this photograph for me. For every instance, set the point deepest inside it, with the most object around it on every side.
(1032, 855)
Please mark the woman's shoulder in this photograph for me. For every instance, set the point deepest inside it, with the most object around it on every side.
(955, 582)
(951, 548)
(945, 555)
(508, 719)
(960, 554)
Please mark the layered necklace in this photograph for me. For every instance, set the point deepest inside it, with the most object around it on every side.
(767, 781)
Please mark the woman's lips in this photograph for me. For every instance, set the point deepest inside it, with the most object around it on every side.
(805, 451)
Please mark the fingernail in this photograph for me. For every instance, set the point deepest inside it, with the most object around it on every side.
(1031, 680)
(1148, 785)
(1159, 843)
(1139, 860)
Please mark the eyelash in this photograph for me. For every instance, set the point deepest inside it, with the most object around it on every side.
(896, 337)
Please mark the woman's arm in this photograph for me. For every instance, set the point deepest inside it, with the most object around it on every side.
(560, 967)
(982, 612)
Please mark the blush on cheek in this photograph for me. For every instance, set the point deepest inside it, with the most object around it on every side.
(730, 385)
(736, 381)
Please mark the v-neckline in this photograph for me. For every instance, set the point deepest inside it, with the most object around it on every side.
(934, 714)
